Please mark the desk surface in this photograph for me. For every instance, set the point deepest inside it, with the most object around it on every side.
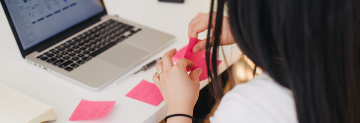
(64, 96)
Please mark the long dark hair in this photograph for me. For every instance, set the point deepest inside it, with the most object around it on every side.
(311, 47)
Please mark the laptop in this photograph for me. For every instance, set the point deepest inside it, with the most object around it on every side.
(79, 41)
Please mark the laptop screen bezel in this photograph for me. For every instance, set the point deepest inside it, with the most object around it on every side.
(56, 38)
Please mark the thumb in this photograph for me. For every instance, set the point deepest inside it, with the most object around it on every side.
(199, 46)
(194, 75)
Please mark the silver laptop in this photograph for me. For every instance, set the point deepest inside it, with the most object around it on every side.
(78, 40)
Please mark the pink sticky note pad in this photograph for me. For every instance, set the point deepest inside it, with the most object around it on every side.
(146, 92)
(189, 54)
(91, 110)
(180, 54)
(202, 64)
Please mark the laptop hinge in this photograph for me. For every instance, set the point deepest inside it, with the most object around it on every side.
(68, 34)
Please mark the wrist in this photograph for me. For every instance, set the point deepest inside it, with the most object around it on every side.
(180, 110)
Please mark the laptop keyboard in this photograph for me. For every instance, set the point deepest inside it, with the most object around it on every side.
(84, 47)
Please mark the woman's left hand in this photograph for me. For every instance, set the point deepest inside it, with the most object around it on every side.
(179, 90)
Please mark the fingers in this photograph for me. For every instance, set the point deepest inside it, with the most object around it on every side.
(201, 24)
(199, 17)
(199, 46)
(166, 60)
(185, 63)
(194, 75)
(156, 80)
(159, 66)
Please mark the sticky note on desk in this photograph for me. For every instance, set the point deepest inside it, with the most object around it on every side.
(189, 54)
(91, 110)
(146, 92)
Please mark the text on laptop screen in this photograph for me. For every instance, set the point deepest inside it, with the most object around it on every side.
(38, 20)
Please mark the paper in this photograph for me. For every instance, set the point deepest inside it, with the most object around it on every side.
(91, 110)
(146, 92)
(202, 64)
(189, 54)
(179, 54)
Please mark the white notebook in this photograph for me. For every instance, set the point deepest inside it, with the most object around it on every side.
(16, 107)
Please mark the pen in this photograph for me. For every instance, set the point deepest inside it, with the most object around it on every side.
(144, 68)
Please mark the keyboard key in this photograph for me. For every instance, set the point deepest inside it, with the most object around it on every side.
(86, 52)
(61, 49)
(96, 46)
(91, 49)
(89, 45)
(46, 53)
(52, 50)
(66, 57)
(64, 53)
(51, 60)
(80, 55)
(39, 56)
(56, 52)
(69, 68)
(58, 62)
(44, 58)
(75, 58)
(83, 48)
(50, 55)
(58, 56)
(86, 58)
(80, 62)
(74, 65)
(77, 51)
(80, 44)
(75, 47)
(70, 50)
(66, 46)
(72, 54)
(93, 42)
(65, 64)
(103, 49)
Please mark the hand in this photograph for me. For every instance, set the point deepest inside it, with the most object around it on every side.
(201, 22)
(180, 90)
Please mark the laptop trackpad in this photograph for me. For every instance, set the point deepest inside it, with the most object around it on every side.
(123, 55)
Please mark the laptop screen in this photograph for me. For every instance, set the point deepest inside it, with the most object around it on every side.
(38, 20)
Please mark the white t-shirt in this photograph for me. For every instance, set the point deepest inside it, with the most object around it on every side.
(261, 100)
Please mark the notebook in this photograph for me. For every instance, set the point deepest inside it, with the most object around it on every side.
(16, 107)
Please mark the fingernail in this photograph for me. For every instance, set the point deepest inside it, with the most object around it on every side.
(200, 71)
(196, 49)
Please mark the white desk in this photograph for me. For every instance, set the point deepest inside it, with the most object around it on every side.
(64, 96)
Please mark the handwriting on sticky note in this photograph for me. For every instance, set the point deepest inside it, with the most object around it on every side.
(202, 64)
(146, 92)
(91, 110)
(194, 57)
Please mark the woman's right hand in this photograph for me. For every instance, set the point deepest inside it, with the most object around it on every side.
(201, 22)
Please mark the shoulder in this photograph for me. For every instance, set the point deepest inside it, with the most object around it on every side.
(260, 100)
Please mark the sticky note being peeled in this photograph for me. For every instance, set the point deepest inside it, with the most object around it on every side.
(202, 64)
(179, 54)
(189, 54)
(146, 92)
(91, 110)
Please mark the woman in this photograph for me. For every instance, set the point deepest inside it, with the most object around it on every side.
(309, 52)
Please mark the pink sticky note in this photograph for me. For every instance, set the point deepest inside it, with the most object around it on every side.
(202, 64)
(91, 110)
(180, 54)
(194, 57)
(146, 92)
